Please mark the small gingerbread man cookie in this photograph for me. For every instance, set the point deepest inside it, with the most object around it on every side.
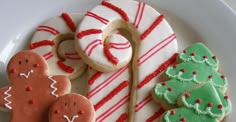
(31, 91)
(72, 108)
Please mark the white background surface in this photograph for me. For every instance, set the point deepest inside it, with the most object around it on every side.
(207, 21)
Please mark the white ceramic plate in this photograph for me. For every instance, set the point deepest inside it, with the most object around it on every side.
(209, 21)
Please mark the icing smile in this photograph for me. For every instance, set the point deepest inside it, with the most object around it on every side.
(26, 75)
(73, 118)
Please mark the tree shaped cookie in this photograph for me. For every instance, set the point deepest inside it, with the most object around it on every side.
(198, 65)
(201, 103)
(72, 108)
(31, 90)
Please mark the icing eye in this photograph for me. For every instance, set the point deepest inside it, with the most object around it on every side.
(65, 104)
(74, 103)
(26, 60)
(19, 62)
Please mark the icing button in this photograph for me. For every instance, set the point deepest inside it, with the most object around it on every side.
(183, 120)
(57, 111)
(163, 83)
(185, 51)
(195, 73)
(187, 95)
(214, 57)
(226, 97)
(220, 106)
(222, 76)
(81, 112)
(31, 101)
(210, 104)
(210, 76)
(205, 56)
(182, 70)
(13, 70)
(36, 65)
(199, 101)
(29, 88)
(170, 89)
(193, 54)
(172, 112)
(175, 66)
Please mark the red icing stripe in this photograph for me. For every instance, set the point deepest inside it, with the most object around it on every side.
(93, 47)
(69, 21)
(166, 64)
(48, 55)
(99, 18)
(64, 67)
(119, 88)
(48, 29)
(112, 109)
(69, 54)
(139, 14)
(88, 32)
(156, 115)
(90, 44)
(41, 43)
(143, 102)
(120, 46)
(94, 77)
(110, 56)
(122, 117)
(150, 29)
(106, 82)
(154, 50)
(118, 10)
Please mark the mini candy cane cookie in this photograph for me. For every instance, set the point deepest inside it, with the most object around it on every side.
(59, 31)
(72, 108)
(155, 46)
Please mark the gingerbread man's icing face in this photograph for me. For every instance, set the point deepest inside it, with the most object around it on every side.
(72, 108)
(26, 65)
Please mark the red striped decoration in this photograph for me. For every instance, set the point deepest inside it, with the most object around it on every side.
(122, 117)
(41, 43)
(90, 47)
(69, 21)
(88, 32)
(110, 56)
(155, 49)
(48, 55)
(143, 102)
(114, 92)
(120, 46)
(99, 18)
(65, 67)
(139, 14)
(154, 25)
(155, 115)
(112, 109)
(118, 10)
(106, 82)
(48, 29)
(94, 78)
(166, 64)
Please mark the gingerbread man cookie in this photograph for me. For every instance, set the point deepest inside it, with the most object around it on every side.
(32, 91)
(72, 108)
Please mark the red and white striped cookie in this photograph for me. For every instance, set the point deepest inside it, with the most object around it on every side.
(155, 48)
(59, 32)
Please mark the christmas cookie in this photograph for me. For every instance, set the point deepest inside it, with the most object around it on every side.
(32, 90)
(154, 44)
(198, 65)
(59, 32)
(72, 108)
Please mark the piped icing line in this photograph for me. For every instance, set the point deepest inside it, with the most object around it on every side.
(54, 89)
(156, 115)
(73, 118)
(122, 117)
(91, 46)
(65, 67)
(94, 78)
(120, 46)
(8, 102)
(166, 116)
(152, 27)
(118, 10)
(88, 32)
(110, 56)
(48, 29)
(106, 82)
(165, 94)
(196, 108)
(143, 102)
(139, 14)
(48, 55)
(205, 60)
(162, 67)
(155, 49)
(193, 78)
(41, 43)
(95, 16)
(114, 92)
(69, 21)
(26, 75)
(112, 109)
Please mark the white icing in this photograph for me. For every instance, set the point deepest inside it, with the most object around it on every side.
(73, 118)
(6, 98)
(156, 48)
(54, 89)
(66, 46)
(26, 75)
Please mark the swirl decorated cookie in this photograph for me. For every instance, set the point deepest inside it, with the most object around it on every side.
(72, 108)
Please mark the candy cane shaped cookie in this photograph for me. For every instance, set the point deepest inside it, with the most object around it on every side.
(154, 42)
(59, 32)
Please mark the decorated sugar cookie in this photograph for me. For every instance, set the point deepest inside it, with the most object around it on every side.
(198, 66)
(154, 45)
(58, 33)
(32, 90)
(72, 108)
